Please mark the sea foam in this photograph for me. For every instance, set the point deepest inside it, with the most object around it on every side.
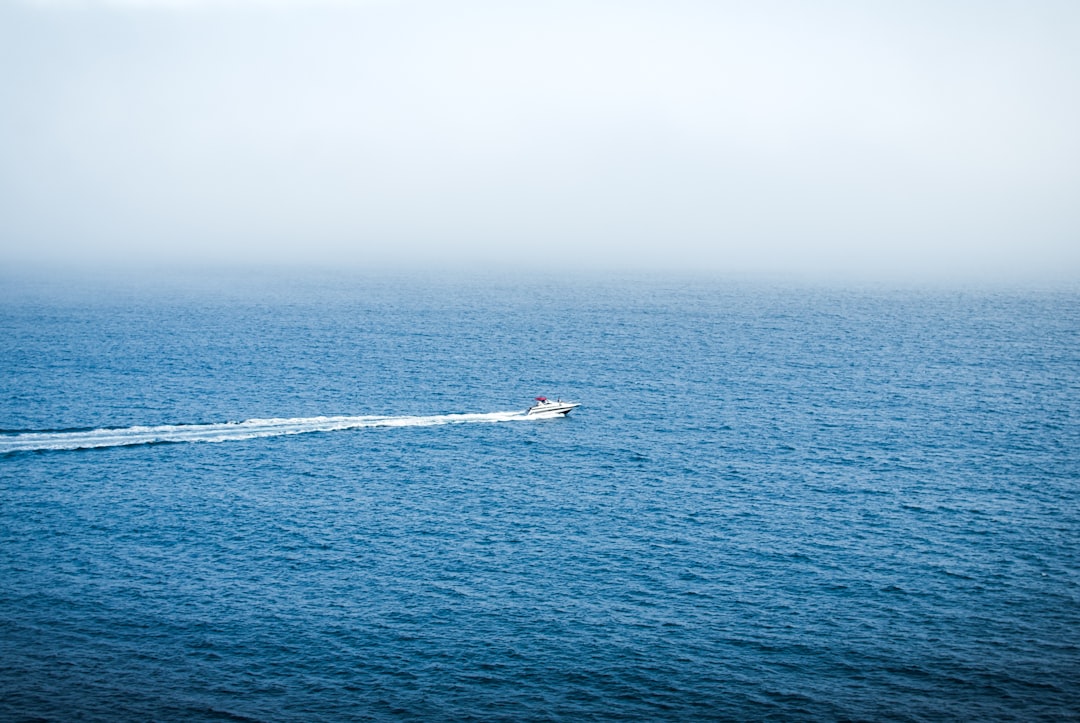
(233, 431)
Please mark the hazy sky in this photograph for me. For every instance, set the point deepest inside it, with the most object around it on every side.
(906, 138)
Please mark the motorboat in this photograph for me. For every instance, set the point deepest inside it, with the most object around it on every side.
(546, 406)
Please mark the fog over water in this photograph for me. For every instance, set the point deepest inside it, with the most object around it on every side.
(914, 140)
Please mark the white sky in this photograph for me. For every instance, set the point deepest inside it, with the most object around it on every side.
(912, 139)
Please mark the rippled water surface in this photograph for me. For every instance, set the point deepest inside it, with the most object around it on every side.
(257, 499)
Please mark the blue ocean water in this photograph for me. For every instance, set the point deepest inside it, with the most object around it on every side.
(776, 501)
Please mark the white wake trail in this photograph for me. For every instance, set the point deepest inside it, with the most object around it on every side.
(232, 431)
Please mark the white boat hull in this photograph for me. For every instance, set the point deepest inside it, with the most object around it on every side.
(552, 408)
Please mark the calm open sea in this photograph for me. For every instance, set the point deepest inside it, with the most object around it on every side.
(251, 498)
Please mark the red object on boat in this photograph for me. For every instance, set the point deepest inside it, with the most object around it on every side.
(541, 399)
